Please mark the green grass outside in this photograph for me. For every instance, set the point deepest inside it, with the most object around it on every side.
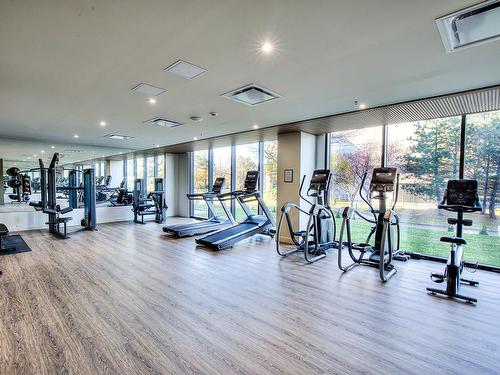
(480, 247)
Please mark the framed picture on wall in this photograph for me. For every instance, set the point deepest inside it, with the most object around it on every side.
(288, 176)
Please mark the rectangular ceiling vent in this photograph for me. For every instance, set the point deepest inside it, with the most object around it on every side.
(185, 69)
(118, 136)
(149, 90)
(251, 95)
(471, 26)
(164, 123)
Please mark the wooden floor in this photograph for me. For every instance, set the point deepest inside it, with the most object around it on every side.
(129, 300)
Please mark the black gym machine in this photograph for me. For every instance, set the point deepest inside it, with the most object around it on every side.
(319, 233)
(153, 203)
(460, 196)
(48, 203)
(20, 184)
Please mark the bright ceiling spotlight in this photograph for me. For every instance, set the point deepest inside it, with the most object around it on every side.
(255, 126)
(195, 138)
(103, 123)
(42, 151)
(157, 146)
(52, 147)
(267, 47)
(362, 106)
(76, 136)
(152, 101)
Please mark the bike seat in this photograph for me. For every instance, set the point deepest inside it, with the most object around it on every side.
(456, 240)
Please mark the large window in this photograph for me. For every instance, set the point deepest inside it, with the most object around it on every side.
(247, 159)
(222, 168)
(150, 173)
(270, 176)
(427, 155)
(130, 174)
(255, 156)
(482, 163)
(200, 181)
(160, 166)
(139, 163)
(354, 153)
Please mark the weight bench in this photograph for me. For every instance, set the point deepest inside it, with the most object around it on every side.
(3, 233)
(57, 223)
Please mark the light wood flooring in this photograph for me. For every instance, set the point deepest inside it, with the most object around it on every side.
(129, 299)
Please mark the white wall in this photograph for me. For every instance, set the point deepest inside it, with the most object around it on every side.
(182, 180)
(28, 220)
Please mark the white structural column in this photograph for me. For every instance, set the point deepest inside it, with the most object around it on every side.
(296, 152)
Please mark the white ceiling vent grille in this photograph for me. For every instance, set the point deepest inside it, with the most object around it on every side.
(471, 26)
(164, 123)
(118, 136)
(184, 69)
(149, 90)
(251, 95)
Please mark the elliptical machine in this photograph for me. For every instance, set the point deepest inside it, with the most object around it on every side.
(460, 196)
(319, 235)
(380, 255)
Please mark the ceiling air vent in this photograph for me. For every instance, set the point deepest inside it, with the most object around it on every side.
(72, 151)
(149, 90)
(471, 26)
(185, 69)
(251, 95)
(118, 136)
(164, 123)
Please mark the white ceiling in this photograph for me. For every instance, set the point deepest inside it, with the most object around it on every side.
(67, 65)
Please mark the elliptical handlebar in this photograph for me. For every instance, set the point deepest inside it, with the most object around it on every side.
(396, 194)
(300, 190)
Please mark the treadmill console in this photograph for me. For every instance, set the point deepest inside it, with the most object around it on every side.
(218, 185)
(319, 180)
(251, 181)
(383, 179)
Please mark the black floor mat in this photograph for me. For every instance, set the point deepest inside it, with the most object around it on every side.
(14, 242)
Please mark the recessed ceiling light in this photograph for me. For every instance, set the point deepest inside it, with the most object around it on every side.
(255, 126)
(76, 136)
(42, 151)
(195, 138)
(362, 106)
(267, 47)
(157, 146)
(52, 147)
(103, 123)
(152, 101)
(34, 155)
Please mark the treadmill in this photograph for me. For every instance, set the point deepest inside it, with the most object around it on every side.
(214, 221)
(252, 225)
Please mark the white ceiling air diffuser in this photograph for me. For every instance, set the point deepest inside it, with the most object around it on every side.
(164, 123)
(471, 26)
(149, 90)
(185, 69)
(118, 136)
(251, 95)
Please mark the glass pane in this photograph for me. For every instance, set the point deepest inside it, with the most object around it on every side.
(222, 168)
(161, 166)
(200, 181)
(130, 174)
(139, 173)
(269, 190)
(426, 154)
(353, 153)
(247, 159)
(482, 163)
(150, 171)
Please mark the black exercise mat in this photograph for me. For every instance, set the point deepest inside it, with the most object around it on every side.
(14, 240)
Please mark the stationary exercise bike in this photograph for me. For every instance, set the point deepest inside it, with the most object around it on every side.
(385, 248)
(460, 196)
(319, 235)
